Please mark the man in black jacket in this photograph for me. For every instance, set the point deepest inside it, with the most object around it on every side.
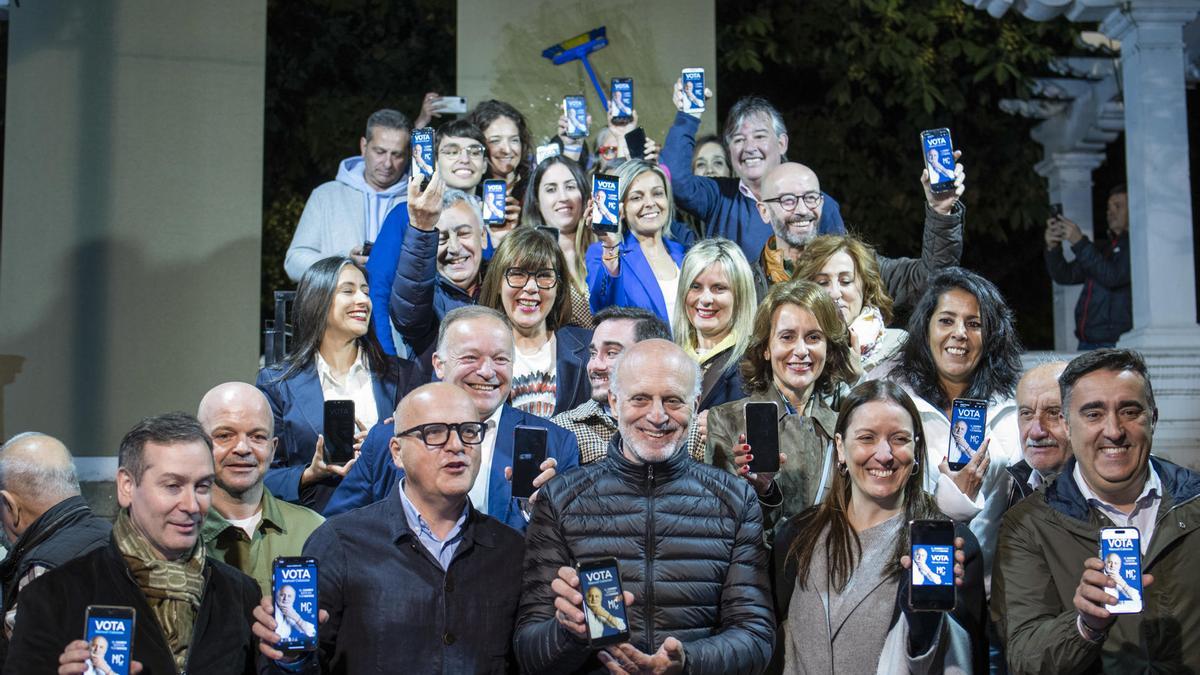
(192, 612)
(1105, 307)
(44, 516)
(688, 539)
(420, 581)
(1045, 446)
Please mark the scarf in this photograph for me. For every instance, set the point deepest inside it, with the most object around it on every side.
(172, 587)
(703, 359)
(777, 268)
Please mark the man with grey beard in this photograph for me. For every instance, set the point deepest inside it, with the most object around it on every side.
(791, 201)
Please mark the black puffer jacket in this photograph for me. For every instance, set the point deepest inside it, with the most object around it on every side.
(689, 542)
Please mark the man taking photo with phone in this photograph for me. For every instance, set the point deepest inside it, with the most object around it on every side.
(1050, 594)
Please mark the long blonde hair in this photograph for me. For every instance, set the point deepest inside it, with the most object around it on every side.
(733, 262)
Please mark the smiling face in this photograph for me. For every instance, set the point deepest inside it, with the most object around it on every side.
(385, 157)
(285, 597)
(799, 225)
(796, 350)
(460, 246)
(956, 336)
(503, 146)
(709, 303)
(528, 307)
(168, 503)
(755, 148)
(238, 418)
(436, 473)
(1117, 214)
(839, 277)
(710, 161)
(594, 597)
(1111, 426)
(610, 339)
(646, 208)
(1044, 439)
(654, 404)
(461, 161)
(478, 359)
(98, 647)
(879, 448)
(560, 201)
(349, 314)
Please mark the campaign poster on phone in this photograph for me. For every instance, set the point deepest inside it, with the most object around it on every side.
(939, 158)
(603, 602)
(693, 81)
(622, 97)
(966, 429)
(494, 193)
(1122, 557)
(606, 204)
(296, 606)
(932, 565)
(109, 642)
(422, 144)
(575, 110)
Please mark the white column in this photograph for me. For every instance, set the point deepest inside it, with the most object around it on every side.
(1069, 175)
(1156, 156)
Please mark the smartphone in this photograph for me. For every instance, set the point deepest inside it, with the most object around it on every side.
(693, 81)
(967, 420)
(938, 154)
(547, 151)
(1121, 553)
(636, 140)
(366, 247)
(606, 197)
(575, 110)
(494, 193)
(1056, 211)
(339, 431)
(603, 601)
(294, 592)
(422, 146)
(762, 434)
(621, 93)
(529, 451)
(932, 550)
(451, 104)
(108, 631)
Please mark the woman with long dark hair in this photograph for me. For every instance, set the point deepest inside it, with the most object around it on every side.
(555, 199)
(525, 281)
(508, 149)
(336, 356)
(962, 343)
(842, 567)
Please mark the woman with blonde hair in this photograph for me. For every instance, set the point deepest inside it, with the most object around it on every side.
(714, 316)
(525, 281)
(798, 358)
(848, 269)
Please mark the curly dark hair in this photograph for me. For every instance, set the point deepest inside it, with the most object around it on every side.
(999, 366)
(489, 111)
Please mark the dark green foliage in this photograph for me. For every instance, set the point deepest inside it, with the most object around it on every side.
(857, 80)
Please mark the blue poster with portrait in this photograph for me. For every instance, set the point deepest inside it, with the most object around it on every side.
(932, 565)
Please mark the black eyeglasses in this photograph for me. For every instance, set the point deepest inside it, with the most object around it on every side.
(437, 434)
(788, 202)
(518, 277)
(453, 151)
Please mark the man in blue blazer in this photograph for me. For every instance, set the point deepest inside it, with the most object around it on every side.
(475, 353)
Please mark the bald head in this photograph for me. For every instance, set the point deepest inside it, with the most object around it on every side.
(429, 399)
(436, 474)
(634, 360)
(1044, 440)
(235, 396)
(653, 392)
(36, 473)
(795, 226)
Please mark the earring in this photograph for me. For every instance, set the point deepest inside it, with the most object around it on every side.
(843, 469)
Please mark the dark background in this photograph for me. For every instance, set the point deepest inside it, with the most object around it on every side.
(856, 81)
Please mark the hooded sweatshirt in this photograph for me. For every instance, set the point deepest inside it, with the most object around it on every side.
(339, 216)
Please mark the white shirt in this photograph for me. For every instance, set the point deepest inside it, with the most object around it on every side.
(1145, 509)
(670, 292)
(534, 380)
(358, 385)
(487, 449)
(248, 525)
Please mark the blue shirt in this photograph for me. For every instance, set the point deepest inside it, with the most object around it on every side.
(441, 549)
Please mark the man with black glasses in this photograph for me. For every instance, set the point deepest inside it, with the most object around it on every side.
(420, 581)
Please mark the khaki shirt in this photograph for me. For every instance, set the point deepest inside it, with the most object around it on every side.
(282, 532)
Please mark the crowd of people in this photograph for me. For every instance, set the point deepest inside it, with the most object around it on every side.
(731, 281)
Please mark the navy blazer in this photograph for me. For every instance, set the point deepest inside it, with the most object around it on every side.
(570, 367)
(636, 285)
(375, 475)
(298, 405)
(722, 383)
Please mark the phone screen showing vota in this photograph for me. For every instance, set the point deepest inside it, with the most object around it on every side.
(607, 202)
(966, 430)
(939, 158)
(422, 143)
(1121, 553)
(622, 96)
(575, 110)
(109, 642)
(932, 565)
(494, 192)
(693, 80)
(295, 588)
(603, 603)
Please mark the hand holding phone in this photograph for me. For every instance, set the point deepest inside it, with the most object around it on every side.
(495, 193)
(691, 94)
(762, 435)
(339, 431)
(931, 562)
(937, 151)
(529, 451)
(575, 110)
(606, 202)
(603, 602)
(621, 95)
(636, 141)
(968, 419)
(294, 592)
(108, 632)
(422, 154)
